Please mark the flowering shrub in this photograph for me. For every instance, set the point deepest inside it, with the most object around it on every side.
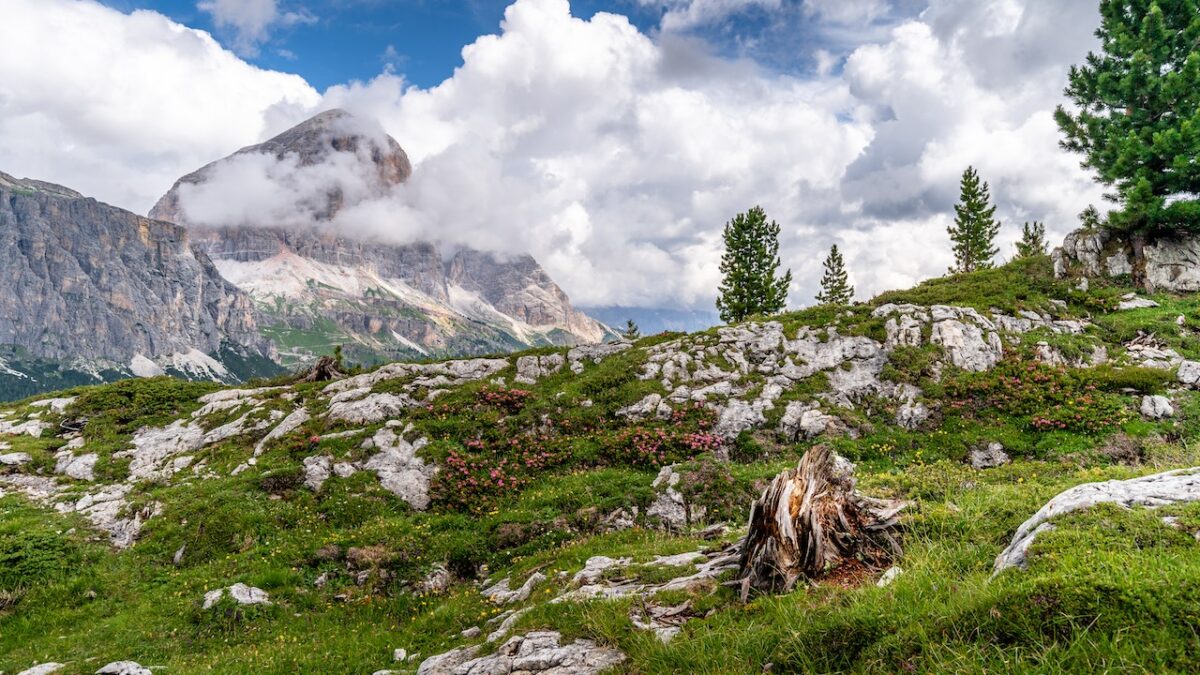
(658, 447)
(1050, 398)
(473, 476)
(495, 444)
(509, 400)
(653, 445)
(709, 486)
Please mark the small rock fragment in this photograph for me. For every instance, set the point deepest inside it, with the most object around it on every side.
(241, 594)
(988, 458)
(124, 668)
(43, 669)
(1157, 407)
(889, 576)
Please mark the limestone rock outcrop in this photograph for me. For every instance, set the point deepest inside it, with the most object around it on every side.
(1169, 263)
(533, 653)
(1161, 489)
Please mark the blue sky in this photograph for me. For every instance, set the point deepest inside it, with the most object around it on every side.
(344, 40)
(350, 39)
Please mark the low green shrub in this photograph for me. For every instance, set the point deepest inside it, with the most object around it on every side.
(1141, 380)
(32, 558)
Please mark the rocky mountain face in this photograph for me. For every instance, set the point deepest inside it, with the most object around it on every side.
(315, 288)
(91, 292)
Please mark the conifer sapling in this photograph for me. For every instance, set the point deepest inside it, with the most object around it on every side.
(631, 331)
(1033, 240)
(975, 226)
(835, 286)
(750, 285)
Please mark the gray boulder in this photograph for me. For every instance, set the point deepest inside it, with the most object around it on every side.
(911, 415)
(15, 459)
(1157, 407)
(1132, 301)
(400, 470)
(987, 458)
(316, 471)
(43, 669)
(736, 417)
(1152, 491)
(500, 593)
(1188, 373)
(530, 369)
(669, 506)
(240, 593)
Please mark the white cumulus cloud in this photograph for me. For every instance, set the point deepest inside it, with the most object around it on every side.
(685, 14)
(613, 156)
(116, 105)
(251, 21)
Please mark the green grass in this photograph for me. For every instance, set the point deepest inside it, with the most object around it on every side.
(1109, 590)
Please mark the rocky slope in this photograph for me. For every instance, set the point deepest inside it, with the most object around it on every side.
(581, 509)
(316, 288)
(91, 292)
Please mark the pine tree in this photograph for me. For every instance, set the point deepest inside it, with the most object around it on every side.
(975, 227)
(1033, 240)
(835, 286)
(631, 332)
(749, 266)
(1138, 119)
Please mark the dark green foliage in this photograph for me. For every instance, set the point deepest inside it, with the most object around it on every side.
(1140, 380)
(32, 375)
(749, 286)
(1033, 240)
(30, 558)
(281, 481)
(835, 285)
(1090, 218)
(631, 331)
(1138, 118)
(975, 226)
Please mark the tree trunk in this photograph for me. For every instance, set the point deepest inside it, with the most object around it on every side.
(809, 521)
(323, 370)
(1137, 242)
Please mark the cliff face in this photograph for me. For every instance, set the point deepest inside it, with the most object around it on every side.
(315, 288)
(419, 265)
(101, 288)
(1168, 263)
(520, 288)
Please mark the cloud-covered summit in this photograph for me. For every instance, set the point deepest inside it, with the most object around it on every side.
(612, 155)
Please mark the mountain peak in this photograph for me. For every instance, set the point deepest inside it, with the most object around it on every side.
(310, 143)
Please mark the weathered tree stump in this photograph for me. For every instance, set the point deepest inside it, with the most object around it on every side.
(809, 521)
(325, 369)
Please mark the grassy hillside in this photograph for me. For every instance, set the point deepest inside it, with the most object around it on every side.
(540, 476)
